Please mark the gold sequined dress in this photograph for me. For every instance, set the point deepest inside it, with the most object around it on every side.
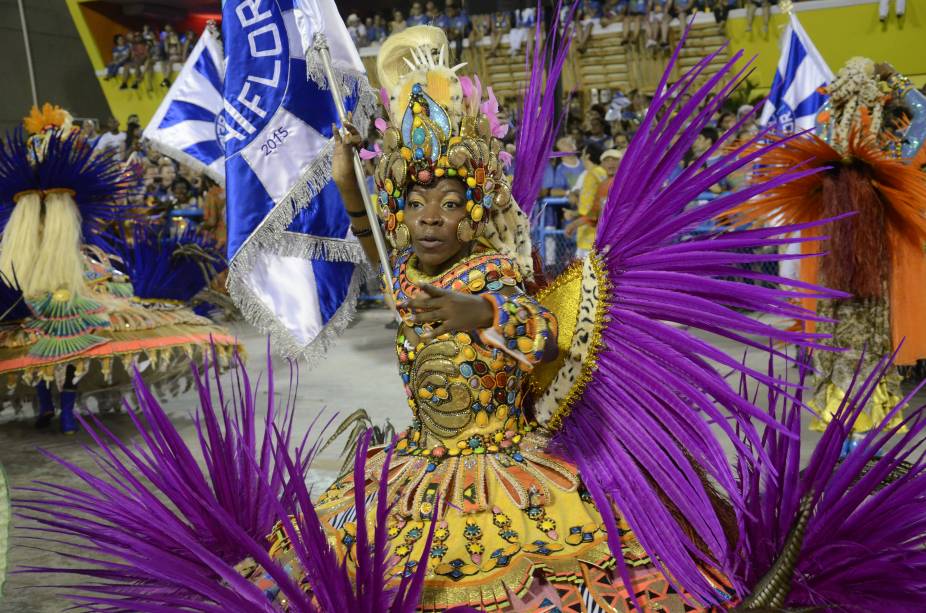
(515, 526)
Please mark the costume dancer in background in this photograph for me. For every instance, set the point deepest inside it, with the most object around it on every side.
(870, 147)
(69, 316)
(565, 449)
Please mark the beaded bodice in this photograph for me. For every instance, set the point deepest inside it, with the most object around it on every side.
(466, 389)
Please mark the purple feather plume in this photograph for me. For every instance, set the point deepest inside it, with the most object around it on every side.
(150, 530)
(144, 552)
(539, 124)
(646, 429)
(863, 547)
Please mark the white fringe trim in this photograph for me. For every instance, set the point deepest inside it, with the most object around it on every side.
(271, 236)
(281, 339)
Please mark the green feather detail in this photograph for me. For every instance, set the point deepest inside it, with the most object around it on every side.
(121, 290)
(50, 347)
(69, 317)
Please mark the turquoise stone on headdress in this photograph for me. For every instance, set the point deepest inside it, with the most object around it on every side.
(425, 140)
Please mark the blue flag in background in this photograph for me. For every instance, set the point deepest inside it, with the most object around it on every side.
(795, 97)
(291, 257)
(183, 127)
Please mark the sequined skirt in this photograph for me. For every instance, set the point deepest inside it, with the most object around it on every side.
(510, 535)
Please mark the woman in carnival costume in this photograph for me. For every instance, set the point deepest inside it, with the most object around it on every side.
(869, 144)
(70, 319)
(566, 446)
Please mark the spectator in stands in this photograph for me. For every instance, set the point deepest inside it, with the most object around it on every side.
(376, 29)
(619, 140)
(501, 25)
(416, 16)
(398, 22)
(635, 23)
(585, 17)
(726, 121)
(705, 140)
(112, 139)
(612, 12)
(432, 13)
(357, 31)
(522, 32)
(747, 131)
(587, 223)
(137, 150)
(681, 9)
(659, 19)
(148, 35)
(137, 61)
(122, 53)
(182, 196)
(214, 212)
(480, 27)
(584, 199)
(132, 134)
(188, 41)
(168, 172)
(751, 6)
(88, 129)
(722, 10)
(457, 26)
(575, 130)
(173, 55)
(636, 110)
(597, 133)
(562, 174)
(575, 108)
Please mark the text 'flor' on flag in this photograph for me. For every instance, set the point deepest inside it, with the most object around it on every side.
(258, 119)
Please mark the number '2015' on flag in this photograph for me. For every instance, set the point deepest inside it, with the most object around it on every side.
(291, 268)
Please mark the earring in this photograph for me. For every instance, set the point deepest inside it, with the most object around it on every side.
(465, 231)
(400, 237)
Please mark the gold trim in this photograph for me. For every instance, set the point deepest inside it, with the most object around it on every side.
(590, 363)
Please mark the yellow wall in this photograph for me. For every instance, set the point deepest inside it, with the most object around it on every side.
(841, 33)
(96, 30)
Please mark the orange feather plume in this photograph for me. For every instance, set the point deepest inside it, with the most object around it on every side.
(49, 116)
(885, 238)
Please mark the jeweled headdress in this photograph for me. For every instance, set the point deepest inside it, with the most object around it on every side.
(440, 127)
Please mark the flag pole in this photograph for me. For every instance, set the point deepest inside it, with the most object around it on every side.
(320, 44)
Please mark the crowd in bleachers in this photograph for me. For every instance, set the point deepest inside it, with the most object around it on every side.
(171, 191)
(646, 22)
(139, 57)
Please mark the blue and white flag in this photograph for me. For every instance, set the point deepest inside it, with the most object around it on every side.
(796, 95)
(184, 126)
(291, 255)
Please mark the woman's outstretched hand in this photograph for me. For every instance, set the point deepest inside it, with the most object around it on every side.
(452, 311)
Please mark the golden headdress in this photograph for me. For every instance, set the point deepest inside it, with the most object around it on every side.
(857, 101)
(439, 127)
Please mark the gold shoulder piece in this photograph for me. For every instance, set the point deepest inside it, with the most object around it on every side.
(579, 299)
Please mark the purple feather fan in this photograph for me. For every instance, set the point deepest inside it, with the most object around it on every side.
(539, 124)
(863, 545)
(150, 530)
(645, 432)
(144, 554)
